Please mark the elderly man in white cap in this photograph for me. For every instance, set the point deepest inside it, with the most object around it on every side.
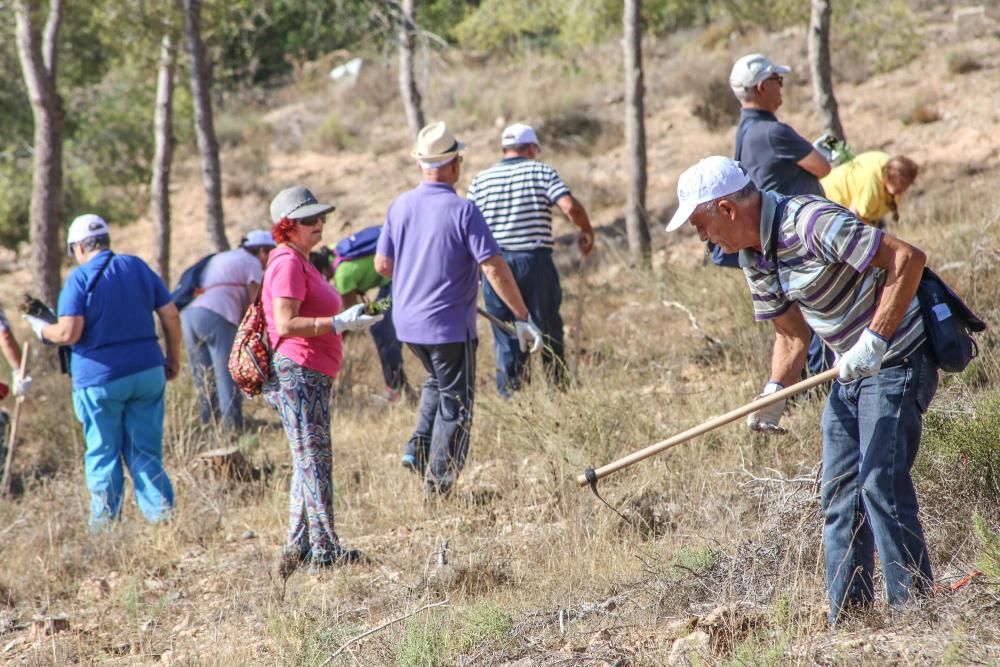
(516, 196)
(433, 245)
(229, 285)
(811, 263)
(119, 372)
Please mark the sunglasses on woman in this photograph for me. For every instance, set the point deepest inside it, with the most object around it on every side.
(309, 222)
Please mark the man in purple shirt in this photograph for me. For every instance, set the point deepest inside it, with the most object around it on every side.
(433, 245)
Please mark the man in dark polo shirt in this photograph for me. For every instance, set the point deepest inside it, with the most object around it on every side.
(777, 157)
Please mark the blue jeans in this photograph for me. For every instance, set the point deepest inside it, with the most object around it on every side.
(538, 280)
(390, 350)
(871, 433)
(123, 422)
(208, 338)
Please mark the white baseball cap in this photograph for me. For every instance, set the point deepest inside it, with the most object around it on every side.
(258, 238)
(751, 69)
(708, 179)
(517, 134)
(85, 227)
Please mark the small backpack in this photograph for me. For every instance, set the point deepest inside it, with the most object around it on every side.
(250, 358)
(359, 244)
(189, 285)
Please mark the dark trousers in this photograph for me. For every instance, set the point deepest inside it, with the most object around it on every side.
(440, 442)
(390, 350)
(538, 280)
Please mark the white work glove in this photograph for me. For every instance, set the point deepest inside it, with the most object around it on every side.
(37, 324)
(21, 384)
(766, 419)
(528, 335)
(354, 319)
(865, 358)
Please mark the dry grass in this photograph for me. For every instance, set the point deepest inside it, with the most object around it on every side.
(720, 545)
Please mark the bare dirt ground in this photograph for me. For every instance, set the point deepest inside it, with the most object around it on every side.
(717, 557)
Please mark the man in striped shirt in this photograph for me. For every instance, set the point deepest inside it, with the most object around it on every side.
(516, 197)
(811, 263)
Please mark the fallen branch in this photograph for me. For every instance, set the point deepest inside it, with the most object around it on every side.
(694, 322)
(442, 603)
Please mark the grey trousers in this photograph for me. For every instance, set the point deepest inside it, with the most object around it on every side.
(440, 442)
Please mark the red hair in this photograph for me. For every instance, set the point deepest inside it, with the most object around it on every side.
(281, 231)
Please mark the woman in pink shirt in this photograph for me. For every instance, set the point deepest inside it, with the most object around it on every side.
(305, 330)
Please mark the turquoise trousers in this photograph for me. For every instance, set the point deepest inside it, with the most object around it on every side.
(123, 426)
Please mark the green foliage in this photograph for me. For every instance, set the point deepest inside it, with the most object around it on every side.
(768, 14)
(15, 199)
(667, 16)
(970, 442)
(333, 134)
(886, 32)
(988, 553)
(512, 24)
(425, 644)
(696, 560)
(486, 624)
(759, 649)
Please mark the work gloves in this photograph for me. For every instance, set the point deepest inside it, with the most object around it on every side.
(528, 335)
(766, 419)
(354, 319)
(37, 324)
(865, 358)
(20, 384)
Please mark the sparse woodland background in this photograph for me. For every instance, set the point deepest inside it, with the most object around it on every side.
(718, 558)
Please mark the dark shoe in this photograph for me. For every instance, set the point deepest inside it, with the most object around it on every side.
(339, 556)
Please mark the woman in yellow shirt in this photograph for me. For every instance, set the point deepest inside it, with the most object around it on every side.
(871, 185)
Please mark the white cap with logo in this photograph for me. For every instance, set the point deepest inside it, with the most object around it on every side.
(258, 238)
(85, 227)
(517, 134)
(751, 69)
(709, 179)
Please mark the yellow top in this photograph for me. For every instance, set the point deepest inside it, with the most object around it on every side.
(858, 185)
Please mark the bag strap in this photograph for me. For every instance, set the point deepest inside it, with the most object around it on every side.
(772, 243)
(100, 272)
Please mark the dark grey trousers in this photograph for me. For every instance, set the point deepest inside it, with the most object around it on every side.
(440, 442)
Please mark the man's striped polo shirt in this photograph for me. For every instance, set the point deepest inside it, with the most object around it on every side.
(516, 196)
(824, 255)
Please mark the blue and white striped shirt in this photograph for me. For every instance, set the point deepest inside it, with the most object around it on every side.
(824, 255)
(516, 196)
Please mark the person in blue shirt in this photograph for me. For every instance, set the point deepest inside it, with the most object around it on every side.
(119, 371)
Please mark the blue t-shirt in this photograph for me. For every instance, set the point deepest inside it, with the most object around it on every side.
(119, 336)
(770, 151)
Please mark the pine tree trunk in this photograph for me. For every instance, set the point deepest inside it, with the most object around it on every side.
(407, 79)
(635, 137)
(208, 145)
(819, 63)
(38, 56)
(159, 188)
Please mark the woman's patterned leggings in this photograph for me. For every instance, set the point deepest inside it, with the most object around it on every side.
(302, 398)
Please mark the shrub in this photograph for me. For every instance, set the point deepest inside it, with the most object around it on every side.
(332, 133)
(486, 624)
(921, 113)
(988, 554)
(425, 644)
(714, 102)
(970, 442)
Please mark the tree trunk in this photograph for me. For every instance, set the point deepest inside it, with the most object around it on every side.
(635, 137)
(819, 64)
(159, 188)
(407, 79)
(38, 56)
(208, 145)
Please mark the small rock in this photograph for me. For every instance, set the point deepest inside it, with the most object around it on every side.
(46, 627)
(96, 588)
(248, 535)
(690, 650)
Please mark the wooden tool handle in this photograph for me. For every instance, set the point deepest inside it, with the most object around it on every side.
(710, 425)
(12, 439)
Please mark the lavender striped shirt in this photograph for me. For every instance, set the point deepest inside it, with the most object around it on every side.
(824, 265)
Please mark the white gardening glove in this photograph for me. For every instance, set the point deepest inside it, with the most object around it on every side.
(37, 324)
(766, 419)
(528, 334)
(354, 319)
(21, 384)
(865, 358)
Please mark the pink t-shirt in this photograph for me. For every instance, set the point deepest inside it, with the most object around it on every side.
(291, 276)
